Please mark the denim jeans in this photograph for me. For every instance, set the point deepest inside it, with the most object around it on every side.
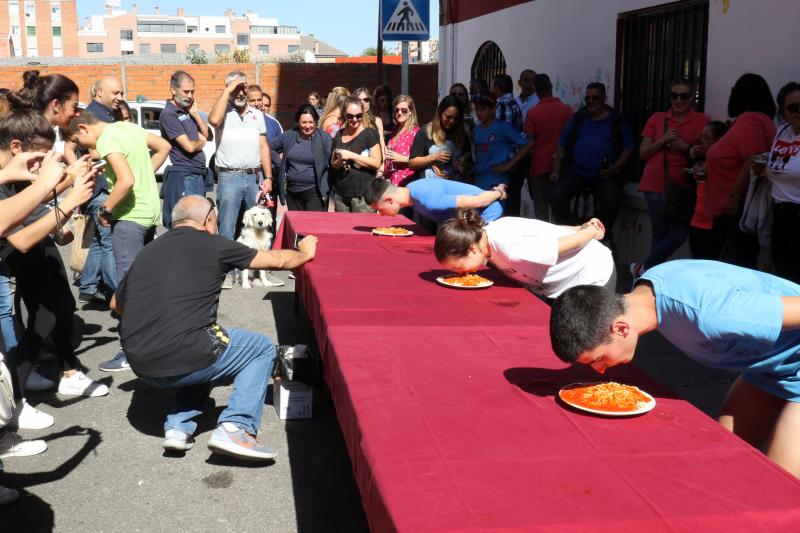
(248, 359)
(190, 184)
(100, 260)
(658, 220)
(233, 190)
(7, 310)
(128, 238)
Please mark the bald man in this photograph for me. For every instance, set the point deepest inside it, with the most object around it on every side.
(108, 94)
(170, 333)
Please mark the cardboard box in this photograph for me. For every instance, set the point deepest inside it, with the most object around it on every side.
(292, 399)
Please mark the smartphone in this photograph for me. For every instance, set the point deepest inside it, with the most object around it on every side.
(297, 238)
(100, 164)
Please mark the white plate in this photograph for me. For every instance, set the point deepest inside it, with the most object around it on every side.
(375, 231)
(441, 281)
(641, 410)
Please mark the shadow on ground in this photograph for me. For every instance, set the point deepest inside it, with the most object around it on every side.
(325, 493)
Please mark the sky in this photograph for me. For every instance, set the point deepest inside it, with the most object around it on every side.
(349, 25)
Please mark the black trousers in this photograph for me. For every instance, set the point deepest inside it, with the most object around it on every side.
(307, 200)
(44, 288)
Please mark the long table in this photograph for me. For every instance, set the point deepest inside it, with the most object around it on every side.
(446, 399)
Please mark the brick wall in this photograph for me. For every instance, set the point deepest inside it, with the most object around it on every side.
(288, 84)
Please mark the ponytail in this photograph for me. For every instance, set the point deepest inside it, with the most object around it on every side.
(38, 91)
(456, 235)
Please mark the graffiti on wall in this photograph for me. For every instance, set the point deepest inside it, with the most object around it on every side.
(571, 91)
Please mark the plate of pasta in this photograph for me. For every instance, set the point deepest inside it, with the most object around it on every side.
(465, 281)
(392, 231)
(607, 398)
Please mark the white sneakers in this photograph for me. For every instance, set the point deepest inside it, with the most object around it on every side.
(12, 445)
(28, 417)
(37, 382)
(80, 385)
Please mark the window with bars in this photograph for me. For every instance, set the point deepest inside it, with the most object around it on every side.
(488, 62)
(659, 45)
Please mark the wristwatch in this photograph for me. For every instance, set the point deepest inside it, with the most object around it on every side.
(104, 212)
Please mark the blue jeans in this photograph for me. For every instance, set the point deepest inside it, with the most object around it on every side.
(7, 310)
(184, 184)
(100, 260)
(658, 220)
(233, 190)
(606, 191)
(248, 359)
(128, 238)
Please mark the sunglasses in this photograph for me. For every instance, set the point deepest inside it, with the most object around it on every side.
(402, 110)
(682, 96)
(350, 116)
(592, 98)
(794, 109)
(365, 99)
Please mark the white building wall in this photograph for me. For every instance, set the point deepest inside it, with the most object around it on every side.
(574, 41)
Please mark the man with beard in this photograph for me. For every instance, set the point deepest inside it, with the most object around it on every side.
(181, 124)
(242, 154)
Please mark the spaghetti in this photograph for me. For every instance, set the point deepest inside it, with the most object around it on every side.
(608, 396)
(392, 231)
(466, 280)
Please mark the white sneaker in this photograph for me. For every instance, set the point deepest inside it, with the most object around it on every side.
(37, 382)
(268, 279)
(28, 417)
(8, 495)
(80, 385)
(12, 445)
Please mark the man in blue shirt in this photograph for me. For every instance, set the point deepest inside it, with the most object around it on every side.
(495, 145)
(720, 315)
(594, 147)
(181, 124)
(435, 199)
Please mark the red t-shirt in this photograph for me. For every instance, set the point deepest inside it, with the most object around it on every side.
(689, 129)
(749, 134)
(544, 123)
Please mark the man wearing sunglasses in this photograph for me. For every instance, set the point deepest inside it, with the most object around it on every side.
(170, 333)
(594, 146)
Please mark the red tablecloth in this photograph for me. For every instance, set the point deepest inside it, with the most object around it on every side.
(446, 399)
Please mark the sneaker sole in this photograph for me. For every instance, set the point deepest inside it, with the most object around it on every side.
(123, 369)
(232, 450)
(81, 393)
(177, 445)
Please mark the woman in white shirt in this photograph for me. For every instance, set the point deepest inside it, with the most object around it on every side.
(546, 258)
(783, 171)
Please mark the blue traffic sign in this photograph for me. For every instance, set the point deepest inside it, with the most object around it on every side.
(405, 20)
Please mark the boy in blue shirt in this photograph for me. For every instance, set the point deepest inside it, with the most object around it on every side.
(720, 315)
(495, 145)
(434, 198)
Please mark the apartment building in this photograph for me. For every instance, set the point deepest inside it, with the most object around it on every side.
(119, 32)
(38, 28)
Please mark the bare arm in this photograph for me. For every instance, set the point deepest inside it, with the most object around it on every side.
(160, 147)
(650, 147)
(481, 200)
(579, 239)
(736, 196)
(14, 210)
(116, 305)
(286, 259)
(189, 145)
(217, 115)
(558, 157)
(202, 127)
(791, 312)
(266, 157)
(125, 179)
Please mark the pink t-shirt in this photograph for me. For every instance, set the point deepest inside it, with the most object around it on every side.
(400, 143)
(689, 129)
(749, 134)
(544, 124)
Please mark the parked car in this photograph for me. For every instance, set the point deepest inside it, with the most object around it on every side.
(146, 115)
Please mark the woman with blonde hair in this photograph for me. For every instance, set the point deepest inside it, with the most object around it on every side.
(398, 149)
(438, 146)
(331, 118)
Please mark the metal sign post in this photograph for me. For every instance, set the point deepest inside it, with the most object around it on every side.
(405, 20)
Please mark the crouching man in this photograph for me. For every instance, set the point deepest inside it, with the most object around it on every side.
(170, 333)
(720, 315)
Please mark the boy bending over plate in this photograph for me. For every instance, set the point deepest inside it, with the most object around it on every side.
(720, 315)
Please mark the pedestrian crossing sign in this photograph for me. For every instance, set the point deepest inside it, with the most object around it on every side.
(405, 20)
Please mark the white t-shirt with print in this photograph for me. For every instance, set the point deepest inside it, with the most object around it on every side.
(526, 250)
(783, 168)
